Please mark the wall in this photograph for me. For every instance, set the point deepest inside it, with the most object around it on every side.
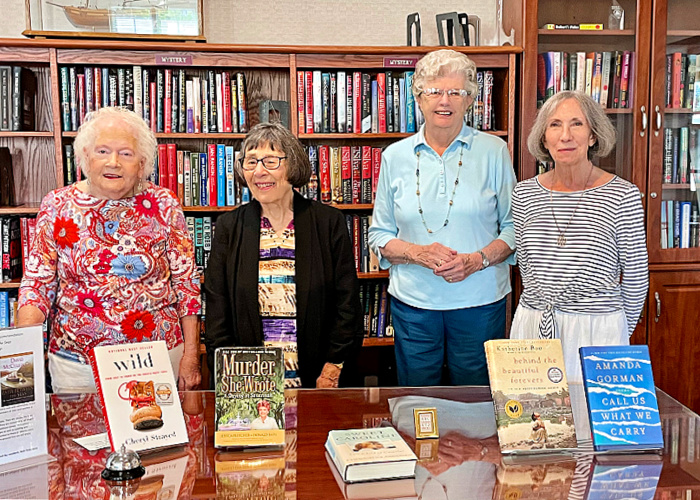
(316, 22)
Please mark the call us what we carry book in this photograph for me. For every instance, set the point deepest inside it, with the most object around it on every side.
(530, 396)
(621, 398)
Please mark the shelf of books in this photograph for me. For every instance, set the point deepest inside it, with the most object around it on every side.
(346, 104)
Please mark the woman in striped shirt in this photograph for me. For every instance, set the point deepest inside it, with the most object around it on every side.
(579, 232)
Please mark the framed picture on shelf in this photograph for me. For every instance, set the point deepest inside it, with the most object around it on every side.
(175, 20)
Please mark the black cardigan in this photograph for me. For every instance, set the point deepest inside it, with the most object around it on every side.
(329, 321)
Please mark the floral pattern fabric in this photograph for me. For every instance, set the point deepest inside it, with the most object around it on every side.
(111, 271)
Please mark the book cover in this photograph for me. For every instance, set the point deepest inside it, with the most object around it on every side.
(621, 398)
(370, 454)
(610, 481)
(530, 395)
(249, 397)
(249, 476)
(528, 481)
(138, 394)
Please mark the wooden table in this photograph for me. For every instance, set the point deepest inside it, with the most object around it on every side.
(308, 476)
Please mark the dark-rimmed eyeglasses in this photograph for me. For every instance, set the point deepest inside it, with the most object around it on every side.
(433, 93)
(269, 162)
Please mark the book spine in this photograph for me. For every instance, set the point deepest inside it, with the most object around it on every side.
(375, 107)
(212, 111)
(312, 188)
(349, 104)
(346, 173)
(624, 81)
(317, 85)
(81, 99)
(171, 183)
(154, 106)
(230, 176)
(341, 101)
(366, 174)
(242, 103)
(376, 167)
(357, 102)
(160, 96)
(366, 95)
(194, 172)
(174, 111)
(181, 176)
(301, 116)
(138, 90)
(182, 101)
(324, 173)
(332, 105)
(205, 105)
(410, 103)
(212, 175)
(325, 102)
(204, 180)
(187, 179)
(234, 104)
(65, 99)
(488, 100)
(220, 105)
(389, 102)
(100, 392)
(147, 96)
(197, 104)
(605, 79)
(356, 161)
(381, 102)
(168, 103)
(220, 175)
(309, 101)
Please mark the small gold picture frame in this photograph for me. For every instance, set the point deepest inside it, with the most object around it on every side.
(426, 423)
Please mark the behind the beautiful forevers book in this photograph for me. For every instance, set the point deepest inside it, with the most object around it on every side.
(139, 397)
(249, 397)
(621, 398)
(370, 454)
(530, 396)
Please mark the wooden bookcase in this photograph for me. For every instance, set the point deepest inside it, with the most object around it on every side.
(652, 30)
(271, 73)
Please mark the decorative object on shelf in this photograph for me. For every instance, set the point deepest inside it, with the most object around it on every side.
(616, 19)
(160, 19)
(7, 178)
(279, 110)
(457, 29)
(123, 465)
(501, 38)
(413, 21)
(426, 423)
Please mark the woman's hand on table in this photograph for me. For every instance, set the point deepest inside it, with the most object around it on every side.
(190, 375)
(329, 377)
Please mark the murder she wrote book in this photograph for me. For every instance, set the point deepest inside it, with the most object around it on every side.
(249, 397)
(621, 398)
(139, 397)
(530, 395)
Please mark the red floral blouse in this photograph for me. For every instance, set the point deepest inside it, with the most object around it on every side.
(111, 271)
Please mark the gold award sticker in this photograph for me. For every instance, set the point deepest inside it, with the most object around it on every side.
(513, 408)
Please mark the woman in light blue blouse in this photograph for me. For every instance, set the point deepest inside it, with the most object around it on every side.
(442, 224)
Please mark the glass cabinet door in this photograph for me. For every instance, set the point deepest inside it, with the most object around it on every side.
(580, 48)
(674, 140)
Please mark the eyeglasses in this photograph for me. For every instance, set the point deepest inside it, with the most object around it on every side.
(451, 93)
(269, 162)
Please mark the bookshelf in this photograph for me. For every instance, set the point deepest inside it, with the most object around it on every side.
(270, 72)
(654, 30)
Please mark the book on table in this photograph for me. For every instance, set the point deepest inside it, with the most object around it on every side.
(530, 394)
(621, 398)
(249, 397)
(370, 454)
(139, 396)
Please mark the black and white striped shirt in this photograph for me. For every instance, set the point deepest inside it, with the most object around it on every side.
(603, 267)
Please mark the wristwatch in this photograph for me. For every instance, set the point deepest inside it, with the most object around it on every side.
(485, 262)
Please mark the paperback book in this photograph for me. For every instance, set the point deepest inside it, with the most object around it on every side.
(370, 454)
(621, 398)
(249, 397)
(530, 395)
(139, 397)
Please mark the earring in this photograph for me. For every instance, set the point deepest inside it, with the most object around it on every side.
(140, 186)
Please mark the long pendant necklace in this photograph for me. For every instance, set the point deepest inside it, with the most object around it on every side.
(561, 239)
(452, 196)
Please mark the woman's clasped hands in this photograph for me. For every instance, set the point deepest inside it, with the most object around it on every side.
(445, 262)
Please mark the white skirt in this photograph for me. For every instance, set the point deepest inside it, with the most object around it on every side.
(71, 377)
(574, 330)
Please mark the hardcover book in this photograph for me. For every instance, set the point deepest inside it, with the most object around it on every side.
(621, 398)
(530, 395)
(139, 397)
(249, 397)
(370, 454)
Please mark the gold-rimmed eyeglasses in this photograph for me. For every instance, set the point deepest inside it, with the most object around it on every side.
(269, 162)
(433, 93)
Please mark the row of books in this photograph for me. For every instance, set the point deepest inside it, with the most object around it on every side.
(605, 76)
(198, 179)
(170, 100)
(17, 96)
(376, 309)
(682, 71)
(356, 102)
(11, 242)
(365, 259)
(680, 224)
(681, 154)
(343, 174)
(8, 308)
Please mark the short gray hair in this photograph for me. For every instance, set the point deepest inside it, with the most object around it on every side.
(279, 138)
(146, 143)
(442, 63)
(601, 127)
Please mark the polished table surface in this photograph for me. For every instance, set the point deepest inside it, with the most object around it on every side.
(463, 463)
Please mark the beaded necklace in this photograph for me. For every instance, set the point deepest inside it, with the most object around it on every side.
(452, 196)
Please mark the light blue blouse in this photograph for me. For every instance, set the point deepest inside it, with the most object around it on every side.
(481, 213)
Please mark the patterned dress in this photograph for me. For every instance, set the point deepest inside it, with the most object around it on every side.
(111, 271)
(277, 295)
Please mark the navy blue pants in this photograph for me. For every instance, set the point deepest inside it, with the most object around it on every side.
(425, 339)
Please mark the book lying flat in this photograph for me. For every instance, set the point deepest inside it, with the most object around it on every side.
(370, 454)
(621, 398)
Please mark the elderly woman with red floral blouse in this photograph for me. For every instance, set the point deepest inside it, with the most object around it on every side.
(112, 261)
